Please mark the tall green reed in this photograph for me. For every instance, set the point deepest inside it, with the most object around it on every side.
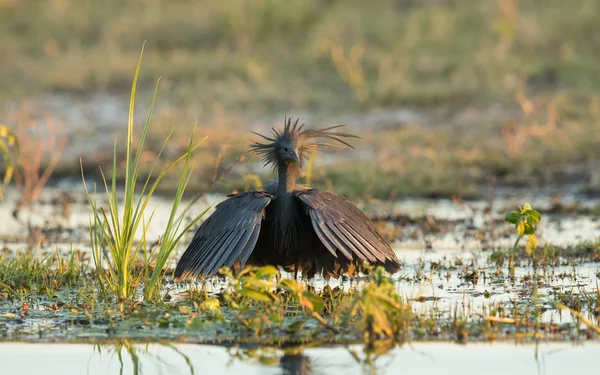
(113, 230)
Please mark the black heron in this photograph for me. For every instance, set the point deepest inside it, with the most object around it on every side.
(288, 225)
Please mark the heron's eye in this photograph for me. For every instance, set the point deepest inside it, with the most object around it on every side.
(286, 149)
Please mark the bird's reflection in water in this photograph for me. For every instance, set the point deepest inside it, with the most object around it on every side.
(289, 360)
(295, 363)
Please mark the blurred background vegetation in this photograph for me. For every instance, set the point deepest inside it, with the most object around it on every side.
(447, 94)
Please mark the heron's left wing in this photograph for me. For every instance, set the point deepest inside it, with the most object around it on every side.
(345, 230)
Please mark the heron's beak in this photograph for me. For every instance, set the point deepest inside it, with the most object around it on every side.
(296, 158)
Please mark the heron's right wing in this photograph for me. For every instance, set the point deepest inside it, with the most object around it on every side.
(229, 234)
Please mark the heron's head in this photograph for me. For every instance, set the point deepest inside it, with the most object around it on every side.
(296, 143)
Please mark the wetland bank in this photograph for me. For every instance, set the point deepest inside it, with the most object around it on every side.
(478, 163)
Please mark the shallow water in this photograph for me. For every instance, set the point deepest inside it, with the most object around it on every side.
(447, 290)
(418, 358)
(62, 216)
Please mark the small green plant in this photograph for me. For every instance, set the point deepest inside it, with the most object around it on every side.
(113, 231)
(8, 140)
(525, 220)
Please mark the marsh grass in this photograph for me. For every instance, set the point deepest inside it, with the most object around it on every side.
(260, 306)
(115, 247)
(27, 273)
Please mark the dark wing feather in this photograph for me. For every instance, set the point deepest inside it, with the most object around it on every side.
(229, 234)
(345, 230)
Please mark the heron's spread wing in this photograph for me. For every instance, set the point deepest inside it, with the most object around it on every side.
(229, 234)
(343, 228)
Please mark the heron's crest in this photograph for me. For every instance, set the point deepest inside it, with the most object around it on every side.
(297, 136)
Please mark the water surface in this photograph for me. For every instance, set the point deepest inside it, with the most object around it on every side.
(418, 358)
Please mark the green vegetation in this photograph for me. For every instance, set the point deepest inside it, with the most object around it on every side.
(262, 307)
(115, 247)
(525, 220)
(25, 274)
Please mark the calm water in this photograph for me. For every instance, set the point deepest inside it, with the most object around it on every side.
(418, 358)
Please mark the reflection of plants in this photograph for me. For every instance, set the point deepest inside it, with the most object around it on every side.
(113, 231)
(135, 352)
(8, 140)
(39, 156)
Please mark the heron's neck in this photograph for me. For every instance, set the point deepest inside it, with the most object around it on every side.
(288, 174)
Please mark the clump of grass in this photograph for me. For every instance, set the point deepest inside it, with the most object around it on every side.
(26, 273)
(8, 140)
(113, 234)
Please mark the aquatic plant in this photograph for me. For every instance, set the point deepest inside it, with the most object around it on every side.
(378, 311)
(113, 233)
(525, 220)
(261, 303)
